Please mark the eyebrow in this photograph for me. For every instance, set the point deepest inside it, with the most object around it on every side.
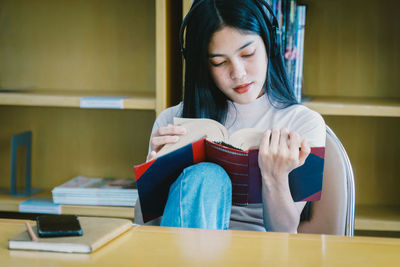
(240, 48)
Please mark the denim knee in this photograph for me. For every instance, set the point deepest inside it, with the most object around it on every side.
(201, 197)
(207, 173)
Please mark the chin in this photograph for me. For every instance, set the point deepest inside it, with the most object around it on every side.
(243, 100)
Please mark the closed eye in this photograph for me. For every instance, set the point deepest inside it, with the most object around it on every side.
(249, 55)
(218, 64)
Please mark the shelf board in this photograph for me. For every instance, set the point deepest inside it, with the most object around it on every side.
(11, 204)
(367, 217)
(99, 211)
(57, 98)
(349, 106)
(377, 218)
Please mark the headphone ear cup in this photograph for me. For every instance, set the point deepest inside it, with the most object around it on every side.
(195, 4)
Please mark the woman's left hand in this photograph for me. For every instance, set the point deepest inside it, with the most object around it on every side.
(279, 154)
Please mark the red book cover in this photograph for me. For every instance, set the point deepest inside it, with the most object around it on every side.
(154, 178)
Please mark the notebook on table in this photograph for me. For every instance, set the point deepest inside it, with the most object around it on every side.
(97, 232)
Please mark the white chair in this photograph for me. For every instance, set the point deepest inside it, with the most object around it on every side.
(334, 213)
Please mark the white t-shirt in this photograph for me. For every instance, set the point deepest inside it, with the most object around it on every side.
(260, 114)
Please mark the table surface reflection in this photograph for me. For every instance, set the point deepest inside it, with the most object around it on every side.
(162, 246)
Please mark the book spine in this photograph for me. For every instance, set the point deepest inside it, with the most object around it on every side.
(301, 18)
(283, 30)
(273, 6)
(290, 51)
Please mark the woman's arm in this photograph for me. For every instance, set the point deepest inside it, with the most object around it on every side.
(279, 155)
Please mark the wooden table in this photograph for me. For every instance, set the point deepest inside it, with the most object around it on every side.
(160, 246)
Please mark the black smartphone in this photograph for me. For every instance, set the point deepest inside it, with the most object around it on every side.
(58, 225)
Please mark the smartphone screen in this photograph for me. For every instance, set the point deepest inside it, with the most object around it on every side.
(58, 225)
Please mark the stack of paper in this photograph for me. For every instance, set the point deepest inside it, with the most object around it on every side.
(96, 191)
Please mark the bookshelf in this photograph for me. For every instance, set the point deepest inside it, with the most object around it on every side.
(54, 53)
(351, 77)
(9, 204)
(353, 106)
(49, 98)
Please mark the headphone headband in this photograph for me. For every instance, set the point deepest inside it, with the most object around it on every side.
(261, 4)
(274, 26)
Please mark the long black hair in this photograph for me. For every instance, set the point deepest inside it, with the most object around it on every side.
(202, 98)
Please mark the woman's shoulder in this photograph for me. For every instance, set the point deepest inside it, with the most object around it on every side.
(172, 111)
(167, 115)
(300, 111)
(307, 123)
(294, 112)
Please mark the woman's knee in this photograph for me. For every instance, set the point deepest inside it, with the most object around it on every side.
(208, 173)
(201, 197)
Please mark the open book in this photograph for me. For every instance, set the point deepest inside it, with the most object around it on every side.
(212, 130)
(97, 232)
(207, 140)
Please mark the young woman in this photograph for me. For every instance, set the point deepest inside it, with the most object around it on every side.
(235, 74)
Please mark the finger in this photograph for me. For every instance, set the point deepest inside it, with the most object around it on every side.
(171, 130)
(304, 152)
(294, 143)
(264, 145)
(151, 155)
(158, 141)
(283, 139)
(274, 143)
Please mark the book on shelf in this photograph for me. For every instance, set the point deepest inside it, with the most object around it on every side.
(96, 191)
(298, 73)
(40, 205)
(291, 19)
(208, 140)
(290, 55)
(96, 233)
(111, 102)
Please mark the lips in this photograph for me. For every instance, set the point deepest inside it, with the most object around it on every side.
(243, 88)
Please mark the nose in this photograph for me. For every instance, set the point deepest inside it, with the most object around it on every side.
(238, 70)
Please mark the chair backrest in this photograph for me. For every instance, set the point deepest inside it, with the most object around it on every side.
(334, 213)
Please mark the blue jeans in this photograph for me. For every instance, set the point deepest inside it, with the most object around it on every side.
(201, 197)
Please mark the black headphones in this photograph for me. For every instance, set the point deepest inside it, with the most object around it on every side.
(261, 4)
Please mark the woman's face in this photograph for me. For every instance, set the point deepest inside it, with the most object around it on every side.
(238, 64)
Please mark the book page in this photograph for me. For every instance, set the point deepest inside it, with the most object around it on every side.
(246, 138)
(196, 129)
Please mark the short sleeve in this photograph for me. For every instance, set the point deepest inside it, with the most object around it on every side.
(310, 125)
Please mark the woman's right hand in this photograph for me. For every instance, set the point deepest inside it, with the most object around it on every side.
(164, 135)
